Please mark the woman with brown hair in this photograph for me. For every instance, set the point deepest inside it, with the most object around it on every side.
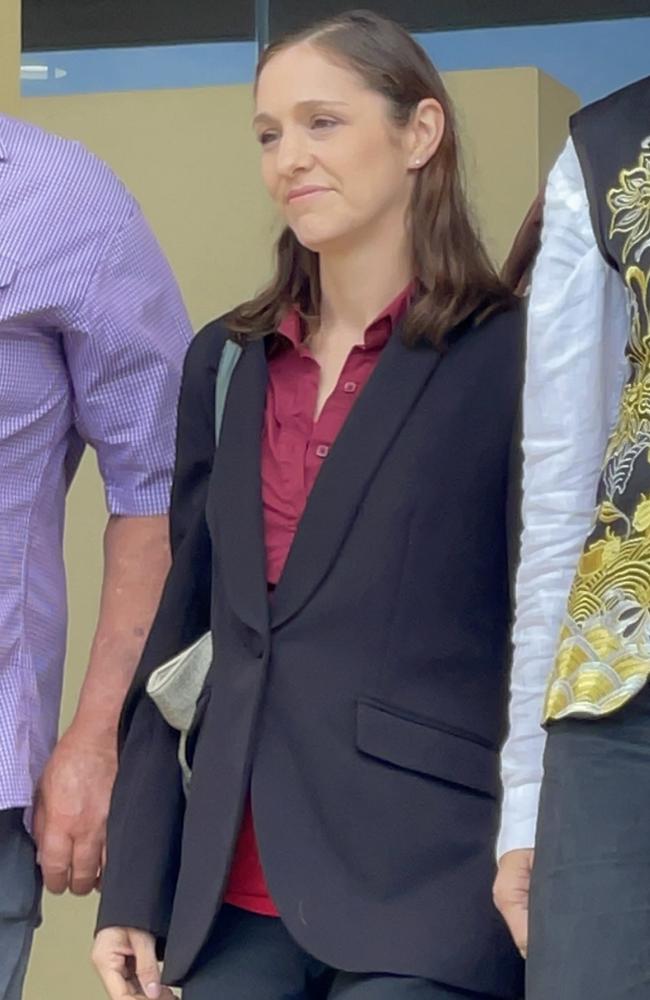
(347, 540)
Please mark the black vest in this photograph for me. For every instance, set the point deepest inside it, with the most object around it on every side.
(604, 654)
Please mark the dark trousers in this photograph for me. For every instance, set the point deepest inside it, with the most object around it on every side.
(589, 933)
(251, 957)
(20, 898)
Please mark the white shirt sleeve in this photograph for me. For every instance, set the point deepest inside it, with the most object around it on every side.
(578, 325)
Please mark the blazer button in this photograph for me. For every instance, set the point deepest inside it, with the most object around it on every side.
(257, 646)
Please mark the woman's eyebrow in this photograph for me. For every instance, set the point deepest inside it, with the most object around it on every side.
(311, 105)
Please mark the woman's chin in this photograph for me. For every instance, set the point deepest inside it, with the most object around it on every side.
(317, 238)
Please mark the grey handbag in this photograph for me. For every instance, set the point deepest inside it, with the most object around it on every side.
(175, 686)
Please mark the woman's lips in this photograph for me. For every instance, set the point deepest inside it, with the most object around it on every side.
(305, 192)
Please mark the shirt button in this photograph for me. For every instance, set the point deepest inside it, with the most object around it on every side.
(350, 387)
(322, 451)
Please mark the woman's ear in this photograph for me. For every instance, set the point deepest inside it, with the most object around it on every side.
(427, 128)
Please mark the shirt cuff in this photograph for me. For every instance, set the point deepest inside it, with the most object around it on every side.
(518, 818)
(139, 501)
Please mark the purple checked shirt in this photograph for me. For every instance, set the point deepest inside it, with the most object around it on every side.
(93, 332)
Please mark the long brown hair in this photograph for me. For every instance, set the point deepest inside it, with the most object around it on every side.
(453, 274)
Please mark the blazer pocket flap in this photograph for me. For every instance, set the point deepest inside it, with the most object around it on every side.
(8, 268)
(421, 746)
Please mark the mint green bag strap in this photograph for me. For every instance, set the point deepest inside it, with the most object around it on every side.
(176, 685)
(227, 362)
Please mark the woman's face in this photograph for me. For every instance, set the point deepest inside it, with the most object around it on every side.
(332, 160)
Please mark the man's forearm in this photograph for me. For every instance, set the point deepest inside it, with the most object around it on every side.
(136, 561)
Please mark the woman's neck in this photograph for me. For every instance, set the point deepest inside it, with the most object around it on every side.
(358, 284)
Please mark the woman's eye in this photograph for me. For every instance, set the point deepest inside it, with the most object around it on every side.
(323, 123)
(266, 137)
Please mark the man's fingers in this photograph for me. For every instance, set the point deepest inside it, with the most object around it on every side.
(86, 862)
(102, 869)
(55, 859)
(511, 892)
(516, 918)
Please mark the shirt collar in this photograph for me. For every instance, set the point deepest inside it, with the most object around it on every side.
(4, 154)
(376, 335)
(291, 327)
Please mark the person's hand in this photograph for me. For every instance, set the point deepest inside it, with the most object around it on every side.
(511, 890)
(70, 812)
(126, 962)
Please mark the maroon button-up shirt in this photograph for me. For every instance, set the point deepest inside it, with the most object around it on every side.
(294, 446)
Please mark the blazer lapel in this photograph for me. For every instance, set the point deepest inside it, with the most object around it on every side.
(235, 497)
(376, 418)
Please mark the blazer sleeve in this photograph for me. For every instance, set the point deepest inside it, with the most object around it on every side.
(146, 814)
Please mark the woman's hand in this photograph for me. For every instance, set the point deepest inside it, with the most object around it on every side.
(125, 959)
(511, 891)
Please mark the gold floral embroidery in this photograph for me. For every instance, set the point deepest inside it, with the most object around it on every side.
(630, 207)
(641, 521)
(602, 553)
(604, 651)
(631, 436)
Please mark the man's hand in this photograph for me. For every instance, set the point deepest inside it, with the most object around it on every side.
(511, 890)
(71, 809)
(74, 793)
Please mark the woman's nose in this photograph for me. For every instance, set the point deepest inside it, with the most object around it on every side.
(293, 154)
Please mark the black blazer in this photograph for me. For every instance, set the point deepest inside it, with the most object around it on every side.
(365, 707)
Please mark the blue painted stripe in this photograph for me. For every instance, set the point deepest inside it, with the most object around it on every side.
(85, 71)
(592, 58)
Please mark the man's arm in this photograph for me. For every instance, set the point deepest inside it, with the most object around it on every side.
(577, 328)
(124, 349)
(74, 792)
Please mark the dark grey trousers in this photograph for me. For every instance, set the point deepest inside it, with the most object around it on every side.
(20, 896)
(250, 957)
(590, 896)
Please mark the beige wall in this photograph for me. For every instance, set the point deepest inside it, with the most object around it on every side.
(190, 159)
(556, 103)
(9, 53)
(513, 123)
